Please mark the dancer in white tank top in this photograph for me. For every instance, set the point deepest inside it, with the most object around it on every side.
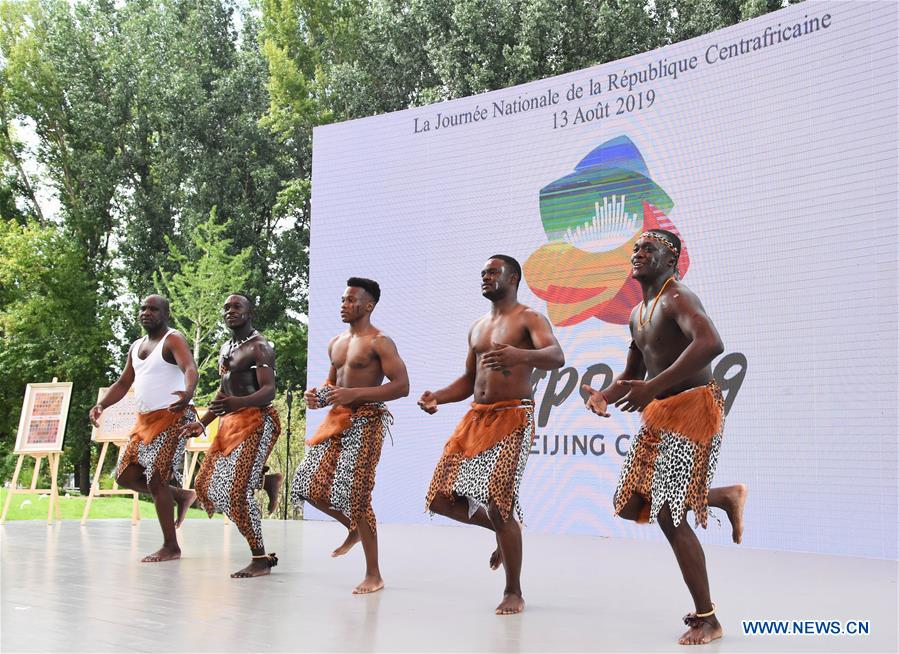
(155, 379)
(162, 371)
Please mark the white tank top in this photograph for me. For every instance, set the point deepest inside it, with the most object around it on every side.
(155, 379)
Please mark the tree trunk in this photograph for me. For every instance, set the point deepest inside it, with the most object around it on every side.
(197, 341)
(84, 472)
(23, 176)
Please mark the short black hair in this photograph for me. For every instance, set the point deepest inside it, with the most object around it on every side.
(248, 298)
(251, 305)
(370, 286)
(516, 267)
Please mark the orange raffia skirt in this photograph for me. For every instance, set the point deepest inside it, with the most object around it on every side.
(156, 444)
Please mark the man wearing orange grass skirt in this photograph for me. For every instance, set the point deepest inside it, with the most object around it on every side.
(160, 368)
(249, 426)
(337, 475)
(669, 467)
(478, 476)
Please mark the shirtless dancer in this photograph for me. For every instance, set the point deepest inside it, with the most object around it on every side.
(338, 473)
(477, 478)
(248, 428)
(669, 467)
(159, 366)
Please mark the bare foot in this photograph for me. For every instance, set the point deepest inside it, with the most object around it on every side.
(272, 486)
(371, 584)
(351, 539)
(257, 568)
(701, 631)
(496, 559)
(736, 499)
(162, 554)
(510, 605)
(185, 501)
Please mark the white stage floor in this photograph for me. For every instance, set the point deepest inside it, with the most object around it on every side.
(71, 588)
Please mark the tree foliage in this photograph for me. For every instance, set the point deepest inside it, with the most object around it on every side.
(196, 291)
(50, 325)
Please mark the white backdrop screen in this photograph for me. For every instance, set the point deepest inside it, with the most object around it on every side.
(770, 147)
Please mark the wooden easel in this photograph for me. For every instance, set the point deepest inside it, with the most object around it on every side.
(115, 490)
(42, 425)
(191, 459)
(53, 459)
(116, 423)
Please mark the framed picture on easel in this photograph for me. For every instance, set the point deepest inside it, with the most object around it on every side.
(115, 426)
(117, 421)
(42, 424)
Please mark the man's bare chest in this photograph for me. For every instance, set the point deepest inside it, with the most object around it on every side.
(236, 359)
(504, 332)
(354, 355)
(657, 338)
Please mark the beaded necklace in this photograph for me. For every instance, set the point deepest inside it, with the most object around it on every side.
(226, 360)
(640, 322)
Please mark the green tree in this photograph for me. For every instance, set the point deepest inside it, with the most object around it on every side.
(196, 142)
(285, 459)
(55, 75)
(49, 327)
(197, 290)
(289, 338)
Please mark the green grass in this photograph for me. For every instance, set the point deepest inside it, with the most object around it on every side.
(34, 507)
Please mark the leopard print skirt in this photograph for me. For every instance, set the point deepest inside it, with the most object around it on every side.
(489, 477)
(340, 472)
(163, 455)
(227, 484)
(668, 466)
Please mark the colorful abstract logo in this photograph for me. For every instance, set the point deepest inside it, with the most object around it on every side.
(592, 218)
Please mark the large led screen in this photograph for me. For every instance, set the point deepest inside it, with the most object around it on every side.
(770, 147)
